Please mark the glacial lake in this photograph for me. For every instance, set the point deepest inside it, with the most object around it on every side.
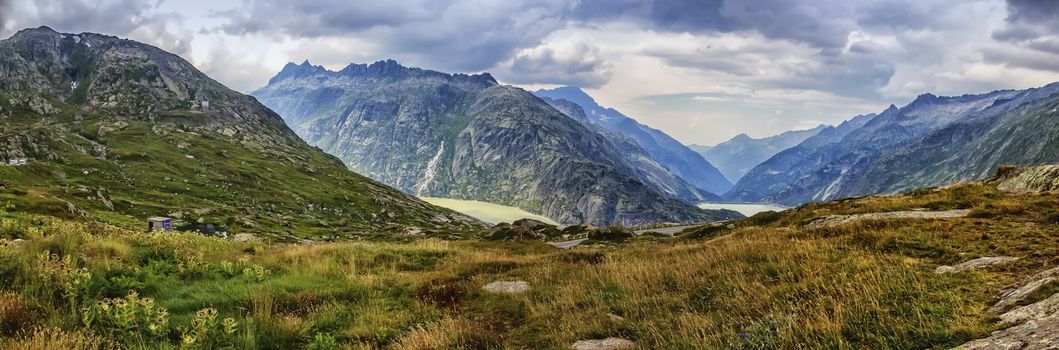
(488, 212)
(747, 209)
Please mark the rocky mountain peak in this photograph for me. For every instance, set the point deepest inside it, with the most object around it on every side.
(570, 93)
(292, 70)
(742, 137)
(925, 99)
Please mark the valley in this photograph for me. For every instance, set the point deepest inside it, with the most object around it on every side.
(487, 212)
(747, 209)
(457, 175)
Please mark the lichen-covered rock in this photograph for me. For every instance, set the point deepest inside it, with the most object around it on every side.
(1039, 310)
(1033, 335)
(834, 220)
(604, 344)
(1017, 293)
(974, 264)
(1043, 178)
(507, 287)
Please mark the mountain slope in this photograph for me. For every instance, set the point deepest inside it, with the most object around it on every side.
(893, 127)
(121, 130)
(467, 137)
(1022, 130)
(681, 160)
(735, 157)
(773, 174)
(648, 170)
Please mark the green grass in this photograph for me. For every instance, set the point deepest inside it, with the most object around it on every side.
(762, 283)
(271, 187)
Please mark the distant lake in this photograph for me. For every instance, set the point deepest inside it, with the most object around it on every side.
(489, 212)
(747, 209)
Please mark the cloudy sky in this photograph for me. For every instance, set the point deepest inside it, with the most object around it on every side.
(701, 70)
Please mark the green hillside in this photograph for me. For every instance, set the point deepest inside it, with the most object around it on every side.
(142, 133)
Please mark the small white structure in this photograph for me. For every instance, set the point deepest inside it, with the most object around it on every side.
(205, 104)
(159, 223)
(17, 161)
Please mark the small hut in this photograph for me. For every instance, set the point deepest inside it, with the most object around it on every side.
(159, 223)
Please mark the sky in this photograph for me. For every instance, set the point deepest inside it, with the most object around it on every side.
(701, 70)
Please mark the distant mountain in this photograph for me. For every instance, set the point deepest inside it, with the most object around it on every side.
(775, 173)
(931, 141)
(735, 157)
(684, 162)
(467, 137)
(120, 131)
(648, 170)
(1022, 128)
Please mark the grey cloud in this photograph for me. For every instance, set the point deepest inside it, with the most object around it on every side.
(461, 36)
(1031, 24)
(1021, 58)
(850, 75)
(322, 18)
(1050, 45)
(134, 18)
(1033, 11)
(1029, 19)
(5, 9)
(581, 66)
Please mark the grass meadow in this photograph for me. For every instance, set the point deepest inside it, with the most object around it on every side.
(760, 283)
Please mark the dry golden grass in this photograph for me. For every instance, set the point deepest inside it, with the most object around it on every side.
(52, 339)
(767, 283)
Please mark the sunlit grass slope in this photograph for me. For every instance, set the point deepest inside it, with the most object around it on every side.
(761, 283)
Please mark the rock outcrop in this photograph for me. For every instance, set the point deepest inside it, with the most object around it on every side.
(604, 344)
(833, 220)
(1017, 293)
(975, 264)
(1043, 178)
(507, 287)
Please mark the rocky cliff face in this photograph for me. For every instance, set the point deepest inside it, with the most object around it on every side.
(127, 128)
(735, 157)
(465, 136)
(681, 160)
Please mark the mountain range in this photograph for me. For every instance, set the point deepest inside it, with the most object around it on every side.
(684, 162)
(735, 157)
(933, 140)
(467, 137)
(120, 131)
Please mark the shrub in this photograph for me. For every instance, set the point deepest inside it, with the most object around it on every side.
(323, 341)
(610, 233)
(128, 317)
(206, 332)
